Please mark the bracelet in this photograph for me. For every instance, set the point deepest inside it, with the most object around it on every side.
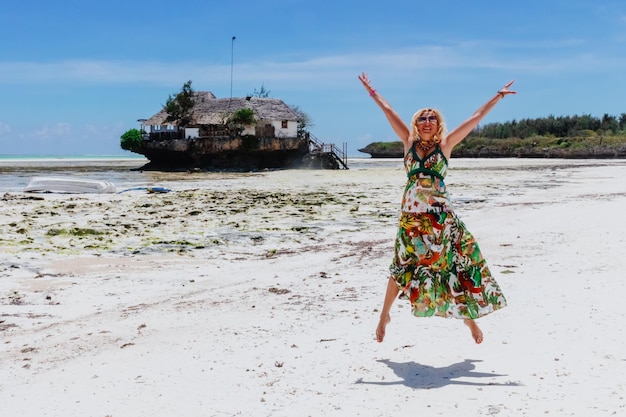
(501, 94)
(372, 92)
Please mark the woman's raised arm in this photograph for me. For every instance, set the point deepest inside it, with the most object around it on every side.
(464, 129)
(395, 121)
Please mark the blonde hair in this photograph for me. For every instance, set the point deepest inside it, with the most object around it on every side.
(441, 126)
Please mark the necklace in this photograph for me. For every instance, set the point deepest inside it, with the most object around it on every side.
(424, 145)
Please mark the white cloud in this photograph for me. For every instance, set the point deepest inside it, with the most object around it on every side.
(58, 130)
(548, 56)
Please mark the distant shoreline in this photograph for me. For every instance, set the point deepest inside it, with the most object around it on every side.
(593, 151)
(88, 157)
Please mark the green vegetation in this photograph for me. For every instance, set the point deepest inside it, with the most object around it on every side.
(552, 137)
(564, 136)
(562, 126)
(582, 143)
(388, 146)
(131, 140)
(240, 119)
(262, 93)
(304, 121)
(75, 231)
(243, 117)
(384, 149)
(178, 107)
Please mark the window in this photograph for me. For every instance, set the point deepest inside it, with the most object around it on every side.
(170, 127)
(285, 124)
(157, 128)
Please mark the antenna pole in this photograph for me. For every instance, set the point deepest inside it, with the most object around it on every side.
(232, 55)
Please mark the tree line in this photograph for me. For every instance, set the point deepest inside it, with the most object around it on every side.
(561, 126)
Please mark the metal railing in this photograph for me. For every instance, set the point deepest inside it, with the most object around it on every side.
(317, 146)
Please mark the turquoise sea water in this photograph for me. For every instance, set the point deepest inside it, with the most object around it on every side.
(124, 171)
(66, 157)
(17, 170)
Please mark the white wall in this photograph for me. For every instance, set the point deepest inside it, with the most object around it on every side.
(192, 132)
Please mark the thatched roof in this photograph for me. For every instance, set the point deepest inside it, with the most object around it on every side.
(210, 110)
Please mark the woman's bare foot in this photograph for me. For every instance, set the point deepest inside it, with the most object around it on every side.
(380, 330)
(477, 334)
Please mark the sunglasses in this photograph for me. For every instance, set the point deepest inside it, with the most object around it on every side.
(424, 119)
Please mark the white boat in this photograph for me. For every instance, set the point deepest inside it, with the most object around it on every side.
(69, 185)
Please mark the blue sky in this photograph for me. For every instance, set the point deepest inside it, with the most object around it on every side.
(75, 75)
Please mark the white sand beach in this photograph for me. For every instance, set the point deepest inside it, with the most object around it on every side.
(258, 295)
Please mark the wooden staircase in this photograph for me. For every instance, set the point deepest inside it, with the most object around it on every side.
(318, 147)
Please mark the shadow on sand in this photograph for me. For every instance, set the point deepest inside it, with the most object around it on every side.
(415, 375)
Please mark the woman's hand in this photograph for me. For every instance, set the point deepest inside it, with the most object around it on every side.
(504, 91)
(366, 82)
(397, 124)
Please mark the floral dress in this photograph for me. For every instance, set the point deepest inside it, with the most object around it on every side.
(437, 263)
